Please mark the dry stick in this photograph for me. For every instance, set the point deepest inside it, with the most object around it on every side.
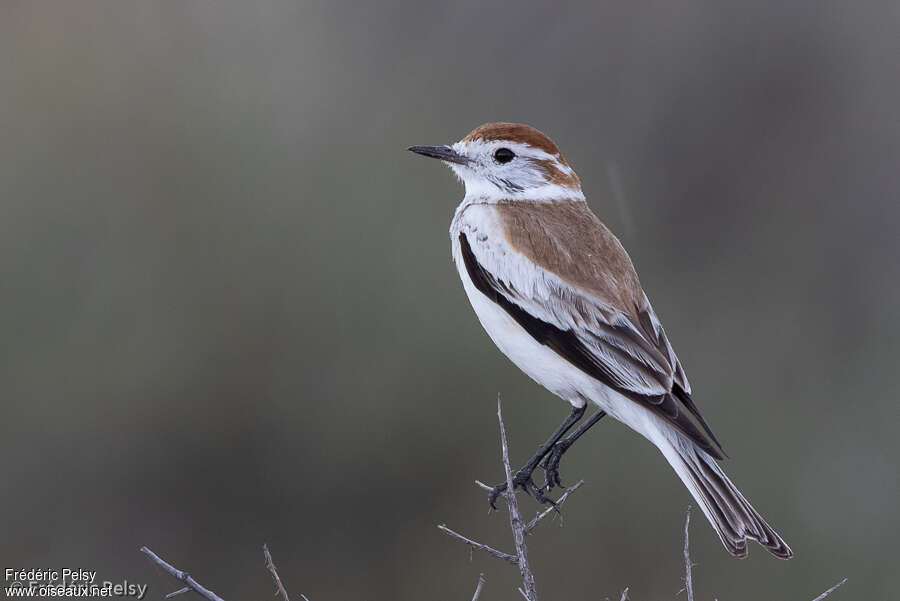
(480, 547)
(526, 528)
(542, 514)
(484, 486)
(279, 587)
(515, 519)
(182, 576)
(829, 591)
(688, 583)
(519, 528)
(478, 588)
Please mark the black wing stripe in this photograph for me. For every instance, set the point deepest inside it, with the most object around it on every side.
(567, 345)
(688, 402)
(646, 325)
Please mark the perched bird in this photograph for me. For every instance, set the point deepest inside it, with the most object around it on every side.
(557, 293)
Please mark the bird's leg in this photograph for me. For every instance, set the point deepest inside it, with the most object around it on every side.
(551, 463)
(522, 478)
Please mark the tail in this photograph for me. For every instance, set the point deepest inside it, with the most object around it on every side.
(733, 518)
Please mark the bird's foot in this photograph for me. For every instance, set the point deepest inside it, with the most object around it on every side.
(551, 464)
(521, 479)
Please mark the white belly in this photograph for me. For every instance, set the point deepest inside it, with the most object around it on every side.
(553, 372)
(539, 362)
(550, 370)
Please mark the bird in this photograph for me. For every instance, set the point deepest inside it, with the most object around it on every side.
(559, 296)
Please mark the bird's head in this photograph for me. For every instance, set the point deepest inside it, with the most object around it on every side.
(508, 161)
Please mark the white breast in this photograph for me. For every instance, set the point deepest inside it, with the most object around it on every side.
(540, 363)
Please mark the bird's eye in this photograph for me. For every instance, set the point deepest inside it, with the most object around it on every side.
(504, 155)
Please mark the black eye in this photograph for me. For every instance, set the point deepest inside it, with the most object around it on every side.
(504, 155)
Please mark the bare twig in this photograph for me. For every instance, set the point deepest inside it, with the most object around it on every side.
(478, 588)
(484, 486)
(542, 514)
(519, 527)
(515, 518)
(182, 576)
(479, 546)
(829, 591)
(279, 587)
(688, 583)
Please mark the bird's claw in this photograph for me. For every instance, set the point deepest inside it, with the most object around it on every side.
(521, 479)
(551, 465)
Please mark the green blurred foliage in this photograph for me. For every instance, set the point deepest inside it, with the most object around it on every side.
(229, 315)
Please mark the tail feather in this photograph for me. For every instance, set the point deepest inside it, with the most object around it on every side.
(730, 514)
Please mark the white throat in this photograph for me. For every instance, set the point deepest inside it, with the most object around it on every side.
(481, 190)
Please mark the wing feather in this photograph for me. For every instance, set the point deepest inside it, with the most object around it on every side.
(630, 355)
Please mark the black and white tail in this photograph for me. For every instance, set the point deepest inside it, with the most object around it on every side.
(733, 518)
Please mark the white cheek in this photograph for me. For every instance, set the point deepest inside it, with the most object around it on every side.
(479, 176)
(522, 173)
(484, 177)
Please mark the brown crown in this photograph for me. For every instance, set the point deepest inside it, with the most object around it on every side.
(514, 132)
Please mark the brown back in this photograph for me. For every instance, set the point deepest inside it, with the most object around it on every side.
(565, 237)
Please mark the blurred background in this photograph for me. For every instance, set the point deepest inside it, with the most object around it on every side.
(229, 315)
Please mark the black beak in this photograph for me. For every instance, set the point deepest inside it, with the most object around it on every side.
(444, 153)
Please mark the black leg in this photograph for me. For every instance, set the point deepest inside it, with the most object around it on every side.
(522, 478)
(551, 464)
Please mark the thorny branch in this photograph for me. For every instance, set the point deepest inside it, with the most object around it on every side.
(542, 514)
(519, 528)
(270, 565)
(515, 519)
(688, 583)
(480, 547)
(182, 576)
(478, 588)
(829, 591)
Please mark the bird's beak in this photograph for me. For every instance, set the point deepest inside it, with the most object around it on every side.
(444, 153)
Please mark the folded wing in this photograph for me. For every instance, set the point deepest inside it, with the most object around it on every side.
(627, 351)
